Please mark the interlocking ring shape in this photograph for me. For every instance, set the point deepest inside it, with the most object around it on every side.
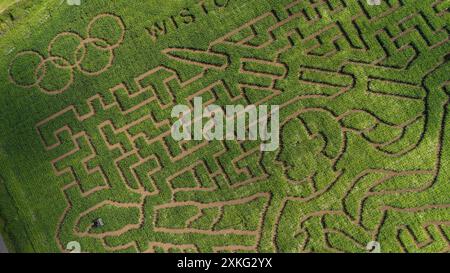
(76, 60)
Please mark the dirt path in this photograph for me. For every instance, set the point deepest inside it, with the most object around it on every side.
(2, 246)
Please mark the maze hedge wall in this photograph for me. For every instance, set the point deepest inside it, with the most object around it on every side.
(85, 103)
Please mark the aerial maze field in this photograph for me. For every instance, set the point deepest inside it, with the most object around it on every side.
(85, 127)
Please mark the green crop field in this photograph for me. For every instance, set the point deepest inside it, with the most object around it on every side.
(86, 94)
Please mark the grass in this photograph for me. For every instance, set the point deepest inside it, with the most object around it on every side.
(5, 4)
(365, 143)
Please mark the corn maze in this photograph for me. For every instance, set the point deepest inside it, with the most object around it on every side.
(364, 154)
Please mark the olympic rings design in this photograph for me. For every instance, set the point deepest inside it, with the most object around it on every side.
(74, 60)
